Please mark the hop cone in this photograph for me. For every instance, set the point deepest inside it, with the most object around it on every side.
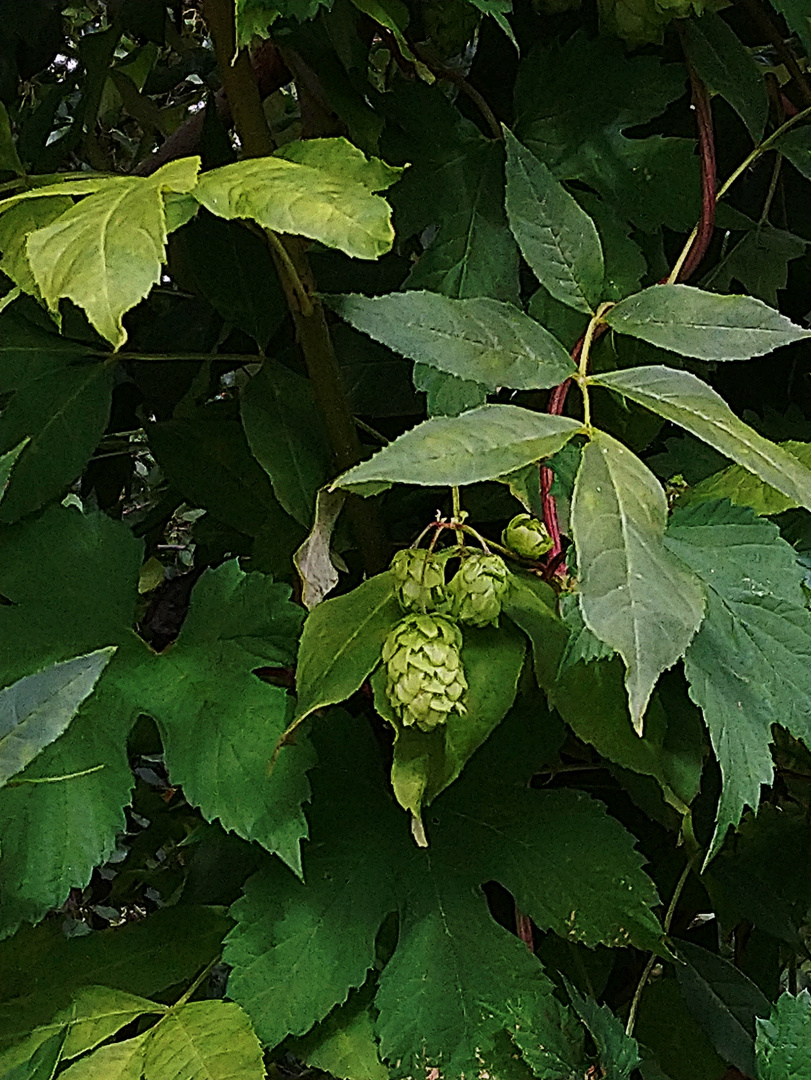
(426, 680)
(420, 580)
(478, 588)
(527, 537)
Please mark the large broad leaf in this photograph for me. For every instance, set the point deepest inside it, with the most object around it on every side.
(204, 1040)
(284, 430)
(574, 103)
(63, 413)
(36, 709)
(723, 1001)
(482, 340)
(728, 68)
(106, 252)
(633, 594)
(693, 322)
(322, 189)
(748, 666)
(452, 451)
(783, 1041)
(219, 722)
(685, 400)
(556, 236)
(342, 641)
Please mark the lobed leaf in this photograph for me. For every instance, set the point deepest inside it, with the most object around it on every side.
(783, 1041)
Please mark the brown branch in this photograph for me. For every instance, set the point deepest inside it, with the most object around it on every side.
(709, 182)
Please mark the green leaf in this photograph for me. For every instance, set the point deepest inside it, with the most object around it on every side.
(479, 445)
(94, 1015)
(684, 399)
(106, 252)
(556, 236)
(425, 763)
(618, 1052)
(204, 1040)
(117, 1061)
(284, 431)
(324, 193)
(796, 15)
(63, 414)
(759, 261)
(7, 463)
(691, 322)
(323, 930)
(41, 969)
(37, 709)
(344, 1044)
(342, 641)
(16, 224)
(723, 1001)
(575, 101)
(728, 68)
(743, 488)
(796, 146)
(9, 158)
(219, 722)
(633, 594)
(483, 340)
(783, 1042)
(666, 1028)
(748, 665)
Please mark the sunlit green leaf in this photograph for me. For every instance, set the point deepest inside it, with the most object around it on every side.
(205, 1040)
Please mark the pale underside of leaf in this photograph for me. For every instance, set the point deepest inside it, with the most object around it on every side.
(634, 595)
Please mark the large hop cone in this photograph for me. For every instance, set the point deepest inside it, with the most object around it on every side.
(527, 537)
(426, 680)
(420, 580)
(478, 588)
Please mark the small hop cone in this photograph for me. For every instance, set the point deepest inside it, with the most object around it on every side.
(425, 678)
(478, 588)
(419, 579)
(527, 537)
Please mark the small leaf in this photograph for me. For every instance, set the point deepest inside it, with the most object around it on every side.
(556, 236)
(484, 443)
(482, 340)
(342, 641)
(344, 1045)
(691, 322)
(7, 463)
(16, 224)
(634, 596)
(325, 194)
(618, 1052)
(687, 401)
(117, 1061)
(205, 1040)
(36, 710)
(9, 158)
(783, 1042)
(313, 560)
(106, 252)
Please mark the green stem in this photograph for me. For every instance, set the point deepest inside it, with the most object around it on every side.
(583, 365)
(457, 514)
(747, 163)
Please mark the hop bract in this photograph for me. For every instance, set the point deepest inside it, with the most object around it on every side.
(426, 681)
(527, 537)
(478, 588)
(420, 580)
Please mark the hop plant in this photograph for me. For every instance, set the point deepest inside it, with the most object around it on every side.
(527, 537)
(478, 588)
(425, 678)
(420, 580)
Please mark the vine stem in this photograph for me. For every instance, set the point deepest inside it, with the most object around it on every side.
(668, 921)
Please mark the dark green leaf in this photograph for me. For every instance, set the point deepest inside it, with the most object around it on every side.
(760, 262)
(618, 1052)
(556, 236)
(692, 322)
(283, 428)
(482, 340)
(723, 1001)
(479, 445)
